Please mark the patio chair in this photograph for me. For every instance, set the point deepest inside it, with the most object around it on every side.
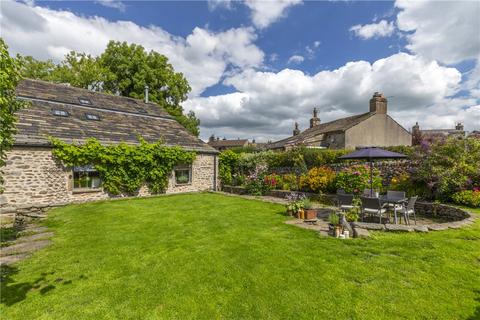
(372, 206)
(345, 201)
(409, 209)
(395, 194)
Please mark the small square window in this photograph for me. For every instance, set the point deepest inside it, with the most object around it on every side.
(90, 116)
(86, 177)
(60, 113)
(183, 175)
(85, 101)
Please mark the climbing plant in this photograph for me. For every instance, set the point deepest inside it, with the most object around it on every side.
(125, 168)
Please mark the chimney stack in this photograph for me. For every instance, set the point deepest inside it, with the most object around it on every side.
(212, 138)
(146, 94)
(315, 121)
(296, 131)
(378, 103)
(459, 127)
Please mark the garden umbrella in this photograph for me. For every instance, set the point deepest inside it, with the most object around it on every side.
(371, 154)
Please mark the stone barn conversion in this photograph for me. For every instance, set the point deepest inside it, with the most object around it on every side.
(373, 128)
(33, 177)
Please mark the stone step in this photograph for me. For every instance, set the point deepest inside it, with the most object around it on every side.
(8, 260)
(32, 230)
(35, 237)
(24, 247)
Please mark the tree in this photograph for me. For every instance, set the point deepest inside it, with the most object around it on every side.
(81, 70)
(31, 68)
(9, 77)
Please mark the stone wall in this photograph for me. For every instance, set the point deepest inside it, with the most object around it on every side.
(33, 178)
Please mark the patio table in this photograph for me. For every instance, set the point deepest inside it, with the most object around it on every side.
(384, 199)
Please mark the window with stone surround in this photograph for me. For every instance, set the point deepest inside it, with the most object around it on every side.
(86, 178)
(183, 174)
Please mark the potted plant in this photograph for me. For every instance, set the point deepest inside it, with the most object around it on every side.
(310, 212)
(295, 205)
(334, 225)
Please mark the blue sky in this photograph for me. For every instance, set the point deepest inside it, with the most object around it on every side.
(258, 66)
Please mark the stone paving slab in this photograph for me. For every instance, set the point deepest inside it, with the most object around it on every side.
(24, 247)
(32, 230)
(369, 226)
(361, 233)
(437, 227)
(35, 237)
(8, 260)
(420, 228)
(398, 227)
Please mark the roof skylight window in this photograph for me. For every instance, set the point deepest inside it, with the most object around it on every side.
(90, 116)
(60, 113)
(85, 101)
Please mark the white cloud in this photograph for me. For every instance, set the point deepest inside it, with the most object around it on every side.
(215, 4)
(316, 44)
(203, 56)
(115, 4)
(296, 59)
(374, 30)
(266, 12)
(447, 31)
(267, 103)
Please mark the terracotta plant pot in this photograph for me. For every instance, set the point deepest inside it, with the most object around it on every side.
(310, 214)
(289, 212)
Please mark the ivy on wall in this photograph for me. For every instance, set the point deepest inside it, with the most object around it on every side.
(125, 168)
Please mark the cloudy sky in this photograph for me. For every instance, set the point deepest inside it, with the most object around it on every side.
(256, 67)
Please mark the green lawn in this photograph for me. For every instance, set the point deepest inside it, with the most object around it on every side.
(209, 256)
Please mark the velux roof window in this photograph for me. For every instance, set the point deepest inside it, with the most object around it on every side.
(60, 113)
(85, 101)
(90, 116)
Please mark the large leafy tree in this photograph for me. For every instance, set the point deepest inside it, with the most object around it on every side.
(9, 77)
(132, 67)
(124, 69)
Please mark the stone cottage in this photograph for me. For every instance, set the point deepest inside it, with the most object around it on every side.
(33, 177)
(373, 128)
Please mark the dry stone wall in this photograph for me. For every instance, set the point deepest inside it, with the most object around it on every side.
(33, 179)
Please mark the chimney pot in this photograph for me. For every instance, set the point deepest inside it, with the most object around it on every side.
(146, 94)
(378, 103)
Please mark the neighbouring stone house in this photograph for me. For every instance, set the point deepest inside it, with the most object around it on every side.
(436, 134)
(373, 128)
(225, 144)
(34, 178)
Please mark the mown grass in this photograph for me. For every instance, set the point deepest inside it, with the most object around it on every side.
(209, 256)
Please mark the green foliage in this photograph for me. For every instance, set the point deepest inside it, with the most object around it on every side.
(318, 180)
(228, 161)
(449, 166)
(469, 198)
(356, 178)
(35, 69)
(125, 168)
(9, 77)
(406, 150)
(122, 68)
(334, 219)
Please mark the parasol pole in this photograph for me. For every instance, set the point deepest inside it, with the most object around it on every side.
(371, 178)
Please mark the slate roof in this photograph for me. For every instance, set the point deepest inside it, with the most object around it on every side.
(121, 119)
(228, 143)
(323, 128)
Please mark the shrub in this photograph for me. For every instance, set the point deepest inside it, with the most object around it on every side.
(356, 178)
(318, 180)
(290, 182)
(228, 161)
(469, 198)
(448, 166)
